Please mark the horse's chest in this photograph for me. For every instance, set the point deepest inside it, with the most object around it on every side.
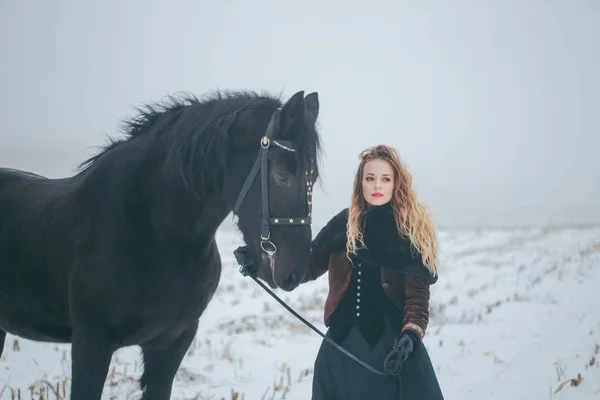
(180, 296)
(143, 303)
(173, 304)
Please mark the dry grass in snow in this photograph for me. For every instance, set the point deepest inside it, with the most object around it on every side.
(514, 315)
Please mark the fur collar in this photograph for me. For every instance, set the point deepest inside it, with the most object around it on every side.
(385, 246)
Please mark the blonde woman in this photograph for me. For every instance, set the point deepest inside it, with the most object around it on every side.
(382, 256)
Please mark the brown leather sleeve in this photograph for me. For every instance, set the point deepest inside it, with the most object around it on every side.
(416, 306)
(318, 264)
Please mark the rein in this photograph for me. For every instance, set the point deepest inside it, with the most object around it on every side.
(244, 270)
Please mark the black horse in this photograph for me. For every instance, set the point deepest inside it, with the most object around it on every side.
(124, 252)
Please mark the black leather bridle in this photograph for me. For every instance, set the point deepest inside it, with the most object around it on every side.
(261, 164)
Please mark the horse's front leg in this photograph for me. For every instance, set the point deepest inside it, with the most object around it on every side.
(91, 353)
(162, 357)
(2, 339)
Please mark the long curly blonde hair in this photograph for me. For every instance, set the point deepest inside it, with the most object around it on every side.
(413, 218)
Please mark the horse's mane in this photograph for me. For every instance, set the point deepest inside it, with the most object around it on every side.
(198, 130)
(172, 106)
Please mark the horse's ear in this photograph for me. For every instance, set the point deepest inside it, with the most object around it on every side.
(311, 102)
(292, 111)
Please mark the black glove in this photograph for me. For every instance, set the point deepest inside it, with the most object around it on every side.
(332, 238)
(242, 256)
(401, 348)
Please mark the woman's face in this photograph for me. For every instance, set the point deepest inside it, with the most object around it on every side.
(377, 182)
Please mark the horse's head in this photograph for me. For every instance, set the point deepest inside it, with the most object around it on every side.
(273, 198)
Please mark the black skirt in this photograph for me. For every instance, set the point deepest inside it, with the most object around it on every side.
(338, 377)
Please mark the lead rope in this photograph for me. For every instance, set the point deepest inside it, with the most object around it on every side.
(244, 271)
(389, 369)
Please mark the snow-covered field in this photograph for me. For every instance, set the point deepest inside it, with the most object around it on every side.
(514, 314)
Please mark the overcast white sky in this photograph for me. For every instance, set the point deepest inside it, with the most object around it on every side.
(494, 105)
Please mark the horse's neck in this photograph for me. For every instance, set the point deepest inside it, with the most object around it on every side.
(177, 209)
(210, 217)
(154, 195)
(148, 205)
(178, 215)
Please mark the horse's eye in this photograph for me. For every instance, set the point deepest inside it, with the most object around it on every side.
(282, 178)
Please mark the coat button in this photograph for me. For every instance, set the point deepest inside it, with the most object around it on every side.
(385, 285)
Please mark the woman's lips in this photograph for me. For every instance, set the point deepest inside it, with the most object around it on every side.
(377, 194)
